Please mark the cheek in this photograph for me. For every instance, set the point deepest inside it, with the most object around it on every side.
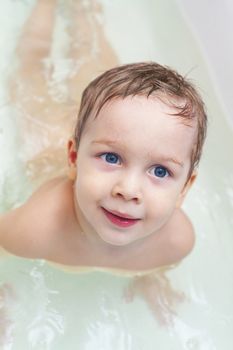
(161, 203)
(90, 186)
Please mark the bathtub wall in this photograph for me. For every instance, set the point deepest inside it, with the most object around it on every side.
(212, 24)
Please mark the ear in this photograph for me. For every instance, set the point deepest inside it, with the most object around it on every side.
(186, 188)
(72, 153)
(72, 157)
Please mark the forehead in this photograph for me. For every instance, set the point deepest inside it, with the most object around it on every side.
(148, 120)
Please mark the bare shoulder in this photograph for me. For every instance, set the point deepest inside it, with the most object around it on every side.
(175, 240)
(181, 235)
(27, 230)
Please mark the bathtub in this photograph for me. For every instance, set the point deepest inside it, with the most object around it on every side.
(46, 307)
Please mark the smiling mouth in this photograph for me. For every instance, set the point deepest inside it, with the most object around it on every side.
(118, 220)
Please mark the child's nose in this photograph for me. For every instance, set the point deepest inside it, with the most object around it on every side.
(128, 188)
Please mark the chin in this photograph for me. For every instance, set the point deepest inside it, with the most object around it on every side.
(117, 241)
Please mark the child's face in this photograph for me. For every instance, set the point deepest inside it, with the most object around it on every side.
(132, 166)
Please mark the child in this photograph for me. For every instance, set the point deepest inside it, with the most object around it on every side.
(132, 159)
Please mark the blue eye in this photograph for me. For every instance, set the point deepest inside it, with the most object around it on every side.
(160, 171)
(111, 158)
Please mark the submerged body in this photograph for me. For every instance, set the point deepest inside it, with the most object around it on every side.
(138, 138)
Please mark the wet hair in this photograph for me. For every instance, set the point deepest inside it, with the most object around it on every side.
(146, 79)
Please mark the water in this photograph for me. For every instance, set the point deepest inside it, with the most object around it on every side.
(44, 307)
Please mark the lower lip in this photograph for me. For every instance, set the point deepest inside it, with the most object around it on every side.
(118, 221)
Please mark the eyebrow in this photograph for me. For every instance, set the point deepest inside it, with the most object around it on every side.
(113, 142)
(105, 142)
(173, 160)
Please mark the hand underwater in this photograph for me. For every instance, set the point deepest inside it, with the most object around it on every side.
(159, 295)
